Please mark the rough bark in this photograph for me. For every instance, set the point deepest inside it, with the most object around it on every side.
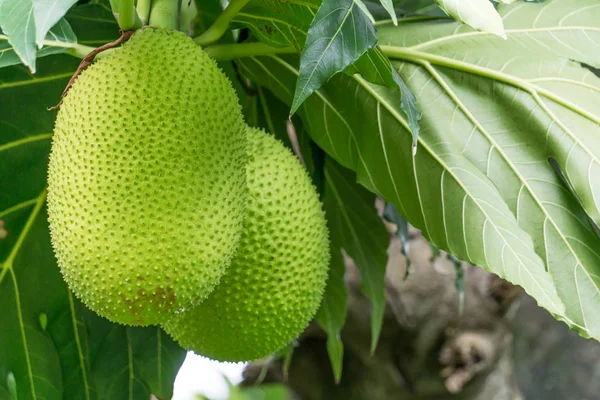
(429, 350)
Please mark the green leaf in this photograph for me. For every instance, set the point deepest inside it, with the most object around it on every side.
(272, 116)
(332, 312)
(278, 23)
(440, 189)
(17, 23)
(26, 22)
(355, 225)
(46, 14)
(480, 14)
(339, 34)
(58, 40)
(391, 214)
(481, 189)
(208, 11)
(96, 15)
(533, 87)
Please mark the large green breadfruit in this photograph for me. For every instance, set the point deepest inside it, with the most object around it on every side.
(274, 285)
(146, 184)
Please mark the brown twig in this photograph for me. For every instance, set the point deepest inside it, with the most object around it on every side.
(89, 59)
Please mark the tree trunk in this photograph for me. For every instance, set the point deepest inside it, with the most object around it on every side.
(429, 350)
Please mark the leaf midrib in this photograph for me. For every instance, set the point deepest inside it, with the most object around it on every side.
(419, 58)
(34, 81)
(79, 348)
(459, 36)
(7, 266)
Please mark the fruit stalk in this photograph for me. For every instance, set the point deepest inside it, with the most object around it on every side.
(127, 16)
(165, 14)
(143, 10)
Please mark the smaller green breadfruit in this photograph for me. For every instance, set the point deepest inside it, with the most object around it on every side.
(275, 282)
(147, 183)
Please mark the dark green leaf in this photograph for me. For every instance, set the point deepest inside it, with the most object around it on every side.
(285, 23)
(93, 23)
(355, 225)
(208, 11)
(332, 313)
(273, 117)
(339, 34)
(279, 23)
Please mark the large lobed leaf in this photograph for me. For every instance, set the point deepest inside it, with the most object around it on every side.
(494, 112)
(513, 105)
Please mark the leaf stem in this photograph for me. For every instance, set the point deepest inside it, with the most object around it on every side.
(143, 10)
(78, 50)
(127, 15)
(165, 14)
(221, 24)
(223, 52)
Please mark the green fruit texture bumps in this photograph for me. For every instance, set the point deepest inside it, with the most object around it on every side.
(274, 285)
(146, 183)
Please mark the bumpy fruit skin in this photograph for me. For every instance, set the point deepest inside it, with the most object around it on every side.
(274, 285)
(146, 183)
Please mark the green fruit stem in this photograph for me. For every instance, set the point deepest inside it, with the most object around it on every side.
(165, 14)
(128, 18)
(221, 24)
(143, 10)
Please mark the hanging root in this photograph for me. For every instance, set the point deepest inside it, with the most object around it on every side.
(87, 61)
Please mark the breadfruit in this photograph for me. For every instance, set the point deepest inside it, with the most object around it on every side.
(146, 182)
(274, 285)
